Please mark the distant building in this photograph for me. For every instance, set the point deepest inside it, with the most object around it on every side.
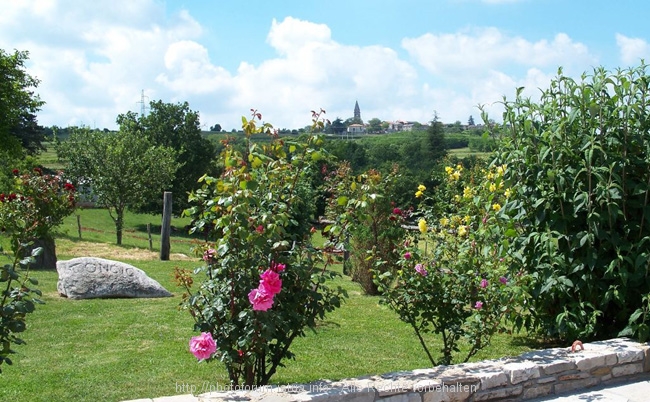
(356, 128)
(357, 112)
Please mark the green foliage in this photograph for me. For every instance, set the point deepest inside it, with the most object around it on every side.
(118, 169)
(177, 127)
(455, 278)
(260, 226)
(376, 222)
(581, 156)
(18, 104)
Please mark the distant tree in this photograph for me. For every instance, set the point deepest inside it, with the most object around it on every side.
(123, 169)
(216, 127)
(177, 127)
(338, 127)
(18, 105)
(29, 133)
(470, 121)
(374, 125)
(435, 142)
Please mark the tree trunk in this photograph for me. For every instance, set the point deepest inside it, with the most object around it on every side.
(119, 224)
(47, 258)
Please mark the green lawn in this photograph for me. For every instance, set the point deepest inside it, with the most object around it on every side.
(116, 349)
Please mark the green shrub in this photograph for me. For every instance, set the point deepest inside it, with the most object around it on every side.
(581, 155)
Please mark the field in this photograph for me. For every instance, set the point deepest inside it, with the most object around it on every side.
(117, 349)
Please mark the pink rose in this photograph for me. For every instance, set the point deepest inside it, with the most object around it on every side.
(203, 346)
(407, 255)
(484, 283)
(260, 299)
(478, 305)
(277, 267)
(419, 268)
(270, 281)
(209, 255)
(503, 280)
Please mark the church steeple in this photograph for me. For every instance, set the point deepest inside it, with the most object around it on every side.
(357, 112)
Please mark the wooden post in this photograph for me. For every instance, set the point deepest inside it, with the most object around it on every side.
(166, 226)
(79, 225)
(149, 234)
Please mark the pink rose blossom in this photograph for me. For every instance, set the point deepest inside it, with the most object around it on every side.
(397, 211)
(209, 255)
(478, 305)
(203, 346)
(407, 255)
(503, 280)
(484, 283)
(277, 267)
(419, 268)
(270, 281)
(260, 299)
(259, 229)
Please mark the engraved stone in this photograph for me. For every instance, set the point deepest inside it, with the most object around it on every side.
(90, 277)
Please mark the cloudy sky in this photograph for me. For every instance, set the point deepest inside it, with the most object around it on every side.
(400, 59)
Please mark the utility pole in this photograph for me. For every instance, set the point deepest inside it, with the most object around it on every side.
(142, 103)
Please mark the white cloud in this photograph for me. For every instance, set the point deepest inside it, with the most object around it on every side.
(94, 58)
(483, 49)
(632, 50)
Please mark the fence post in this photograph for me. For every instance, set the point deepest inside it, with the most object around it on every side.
(166, 226)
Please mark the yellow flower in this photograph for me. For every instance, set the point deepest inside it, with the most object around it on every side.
(496, 207)
(418, 194)
(490, 176)
(456, 220)
(459, 167)
(449, 170)
(467, 192)
(421, 187)
(507, 193)
(457, 198)
(462, 230)
(493, 187)
(455, 175)
(467, 218)
(501, 169)
(422, 225)
(444, 222)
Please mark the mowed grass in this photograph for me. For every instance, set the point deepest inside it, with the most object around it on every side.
(120, 349)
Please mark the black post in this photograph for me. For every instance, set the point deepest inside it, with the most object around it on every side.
(166, 226)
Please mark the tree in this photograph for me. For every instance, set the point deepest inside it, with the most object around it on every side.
(374, 125)
(337, 126)
(216, 127)
(470, 121)
(120, 170)
(17, 100)
(177, 127)
(436, 147)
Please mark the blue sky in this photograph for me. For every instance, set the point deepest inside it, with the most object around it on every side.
(401, 60)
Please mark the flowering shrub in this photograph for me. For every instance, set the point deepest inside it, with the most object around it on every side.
(29, 211)
(33, 207)
(455, 279)
(375, 229)
(263, 283)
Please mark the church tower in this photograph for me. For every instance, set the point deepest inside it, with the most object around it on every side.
(357, 112)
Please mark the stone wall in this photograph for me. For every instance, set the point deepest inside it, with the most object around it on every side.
(531, 375)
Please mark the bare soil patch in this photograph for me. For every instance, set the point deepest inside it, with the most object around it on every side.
(111, 251)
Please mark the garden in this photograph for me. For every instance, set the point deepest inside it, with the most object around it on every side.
(543, 242)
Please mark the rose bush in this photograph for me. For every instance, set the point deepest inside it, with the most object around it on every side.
(455, 278)
(263, 283)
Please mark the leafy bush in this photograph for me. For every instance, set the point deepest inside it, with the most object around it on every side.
(581, 155)
(263, 283)
(455, 278)
(376, 222)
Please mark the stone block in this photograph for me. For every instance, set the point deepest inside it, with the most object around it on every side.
(521, 371)
(627, 369)
(450, 392)
(589, 360)
(410, 397)
(566, 386)
(537, 390)
(557, 366)
(498, 393)
(546, 380)
(573, 376)
(601, 371)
